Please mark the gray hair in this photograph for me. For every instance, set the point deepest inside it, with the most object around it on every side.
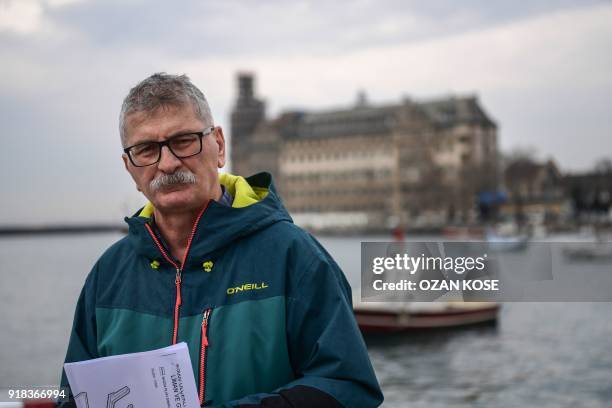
(162, 90)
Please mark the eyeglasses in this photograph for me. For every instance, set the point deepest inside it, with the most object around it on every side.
(182, 146)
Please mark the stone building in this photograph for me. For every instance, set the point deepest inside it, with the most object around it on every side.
(535, 191)
(419, 164)
(247, 114)
(590, 193)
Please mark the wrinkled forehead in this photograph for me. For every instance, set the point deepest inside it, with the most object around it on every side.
(159, 117)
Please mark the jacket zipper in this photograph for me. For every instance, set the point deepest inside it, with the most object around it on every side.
(179, 269)
(177, 305)
(203, 348)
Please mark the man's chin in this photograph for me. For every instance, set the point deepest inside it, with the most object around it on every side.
(174, 200)
(173, 187)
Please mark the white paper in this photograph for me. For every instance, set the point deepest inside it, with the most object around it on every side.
(158, 378)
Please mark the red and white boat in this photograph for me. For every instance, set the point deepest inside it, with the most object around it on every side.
(390, 317)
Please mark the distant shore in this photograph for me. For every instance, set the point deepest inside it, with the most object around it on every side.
(62, 229)
(450, 230)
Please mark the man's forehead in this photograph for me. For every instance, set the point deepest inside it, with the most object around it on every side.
(140, 123)
(139, 117)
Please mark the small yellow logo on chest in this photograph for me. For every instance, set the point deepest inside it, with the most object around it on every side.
(247, 286)
(207, 266)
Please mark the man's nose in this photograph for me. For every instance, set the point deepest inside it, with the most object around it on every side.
(168, 162)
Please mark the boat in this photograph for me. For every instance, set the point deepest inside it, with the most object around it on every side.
(393, 317)
(506, 243)
(594, 252)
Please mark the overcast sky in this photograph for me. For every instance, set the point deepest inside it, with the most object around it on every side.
(542, 69)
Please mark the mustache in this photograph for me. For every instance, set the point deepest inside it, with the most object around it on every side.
(178, 177)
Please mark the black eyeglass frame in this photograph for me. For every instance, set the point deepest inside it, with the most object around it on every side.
(167, 142)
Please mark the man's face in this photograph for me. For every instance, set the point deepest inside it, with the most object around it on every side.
(159, 126)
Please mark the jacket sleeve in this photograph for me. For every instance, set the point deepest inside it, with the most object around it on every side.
(327, 351)
(82, 344)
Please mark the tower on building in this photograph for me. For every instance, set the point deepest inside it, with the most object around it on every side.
(247, 114)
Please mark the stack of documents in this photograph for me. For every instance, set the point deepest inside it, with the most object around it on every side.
(158, 378)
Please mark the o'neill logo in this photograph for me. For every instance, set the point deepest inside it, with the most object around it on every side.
(246, 286)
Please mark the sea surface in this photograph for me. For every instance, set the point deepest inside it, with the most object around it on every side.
(537, 355)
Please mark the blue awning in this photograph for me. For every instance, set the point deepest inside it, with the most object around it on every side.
(492, 197)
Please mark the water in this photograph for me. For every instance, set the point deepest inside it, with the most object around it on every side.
(41, 280)
(539, 354)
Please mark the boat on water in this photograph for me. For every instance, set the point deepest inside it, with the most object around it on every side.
(391, 317)
(506, 243)
(596, 252)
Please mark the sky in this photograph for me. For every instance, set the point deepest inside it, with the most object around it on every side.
(541, 69)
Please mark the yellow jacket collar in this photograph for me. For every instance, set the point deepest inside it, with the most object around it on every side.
(244, 194)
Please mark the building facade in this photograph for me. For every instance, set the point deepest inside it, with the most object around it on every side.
(535, 192)
(416, 164)
(590, 194)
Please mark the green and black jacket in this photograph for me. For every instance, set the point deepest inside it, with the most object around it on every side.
(264, 309)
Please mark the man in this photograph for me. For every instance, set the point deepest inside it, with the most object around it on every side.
(215, 261)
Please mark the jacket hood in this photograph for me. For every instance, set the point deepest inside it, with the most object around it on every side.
(256, 206)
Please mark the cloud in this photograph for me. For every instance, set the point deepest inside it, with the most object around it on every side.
(544, 78)
(26, 17)
(21, 17)
(531, 54)
(62, 3)
(273, 28)
(542, 71)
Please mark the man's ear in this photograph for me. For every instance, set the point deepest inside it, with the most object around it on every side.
(220, 139)
(125, 161)
(127, 168)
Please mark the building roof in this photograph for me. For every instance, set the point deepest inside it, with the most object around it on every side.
(452, 111)
(370, 119)
(525, 169)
